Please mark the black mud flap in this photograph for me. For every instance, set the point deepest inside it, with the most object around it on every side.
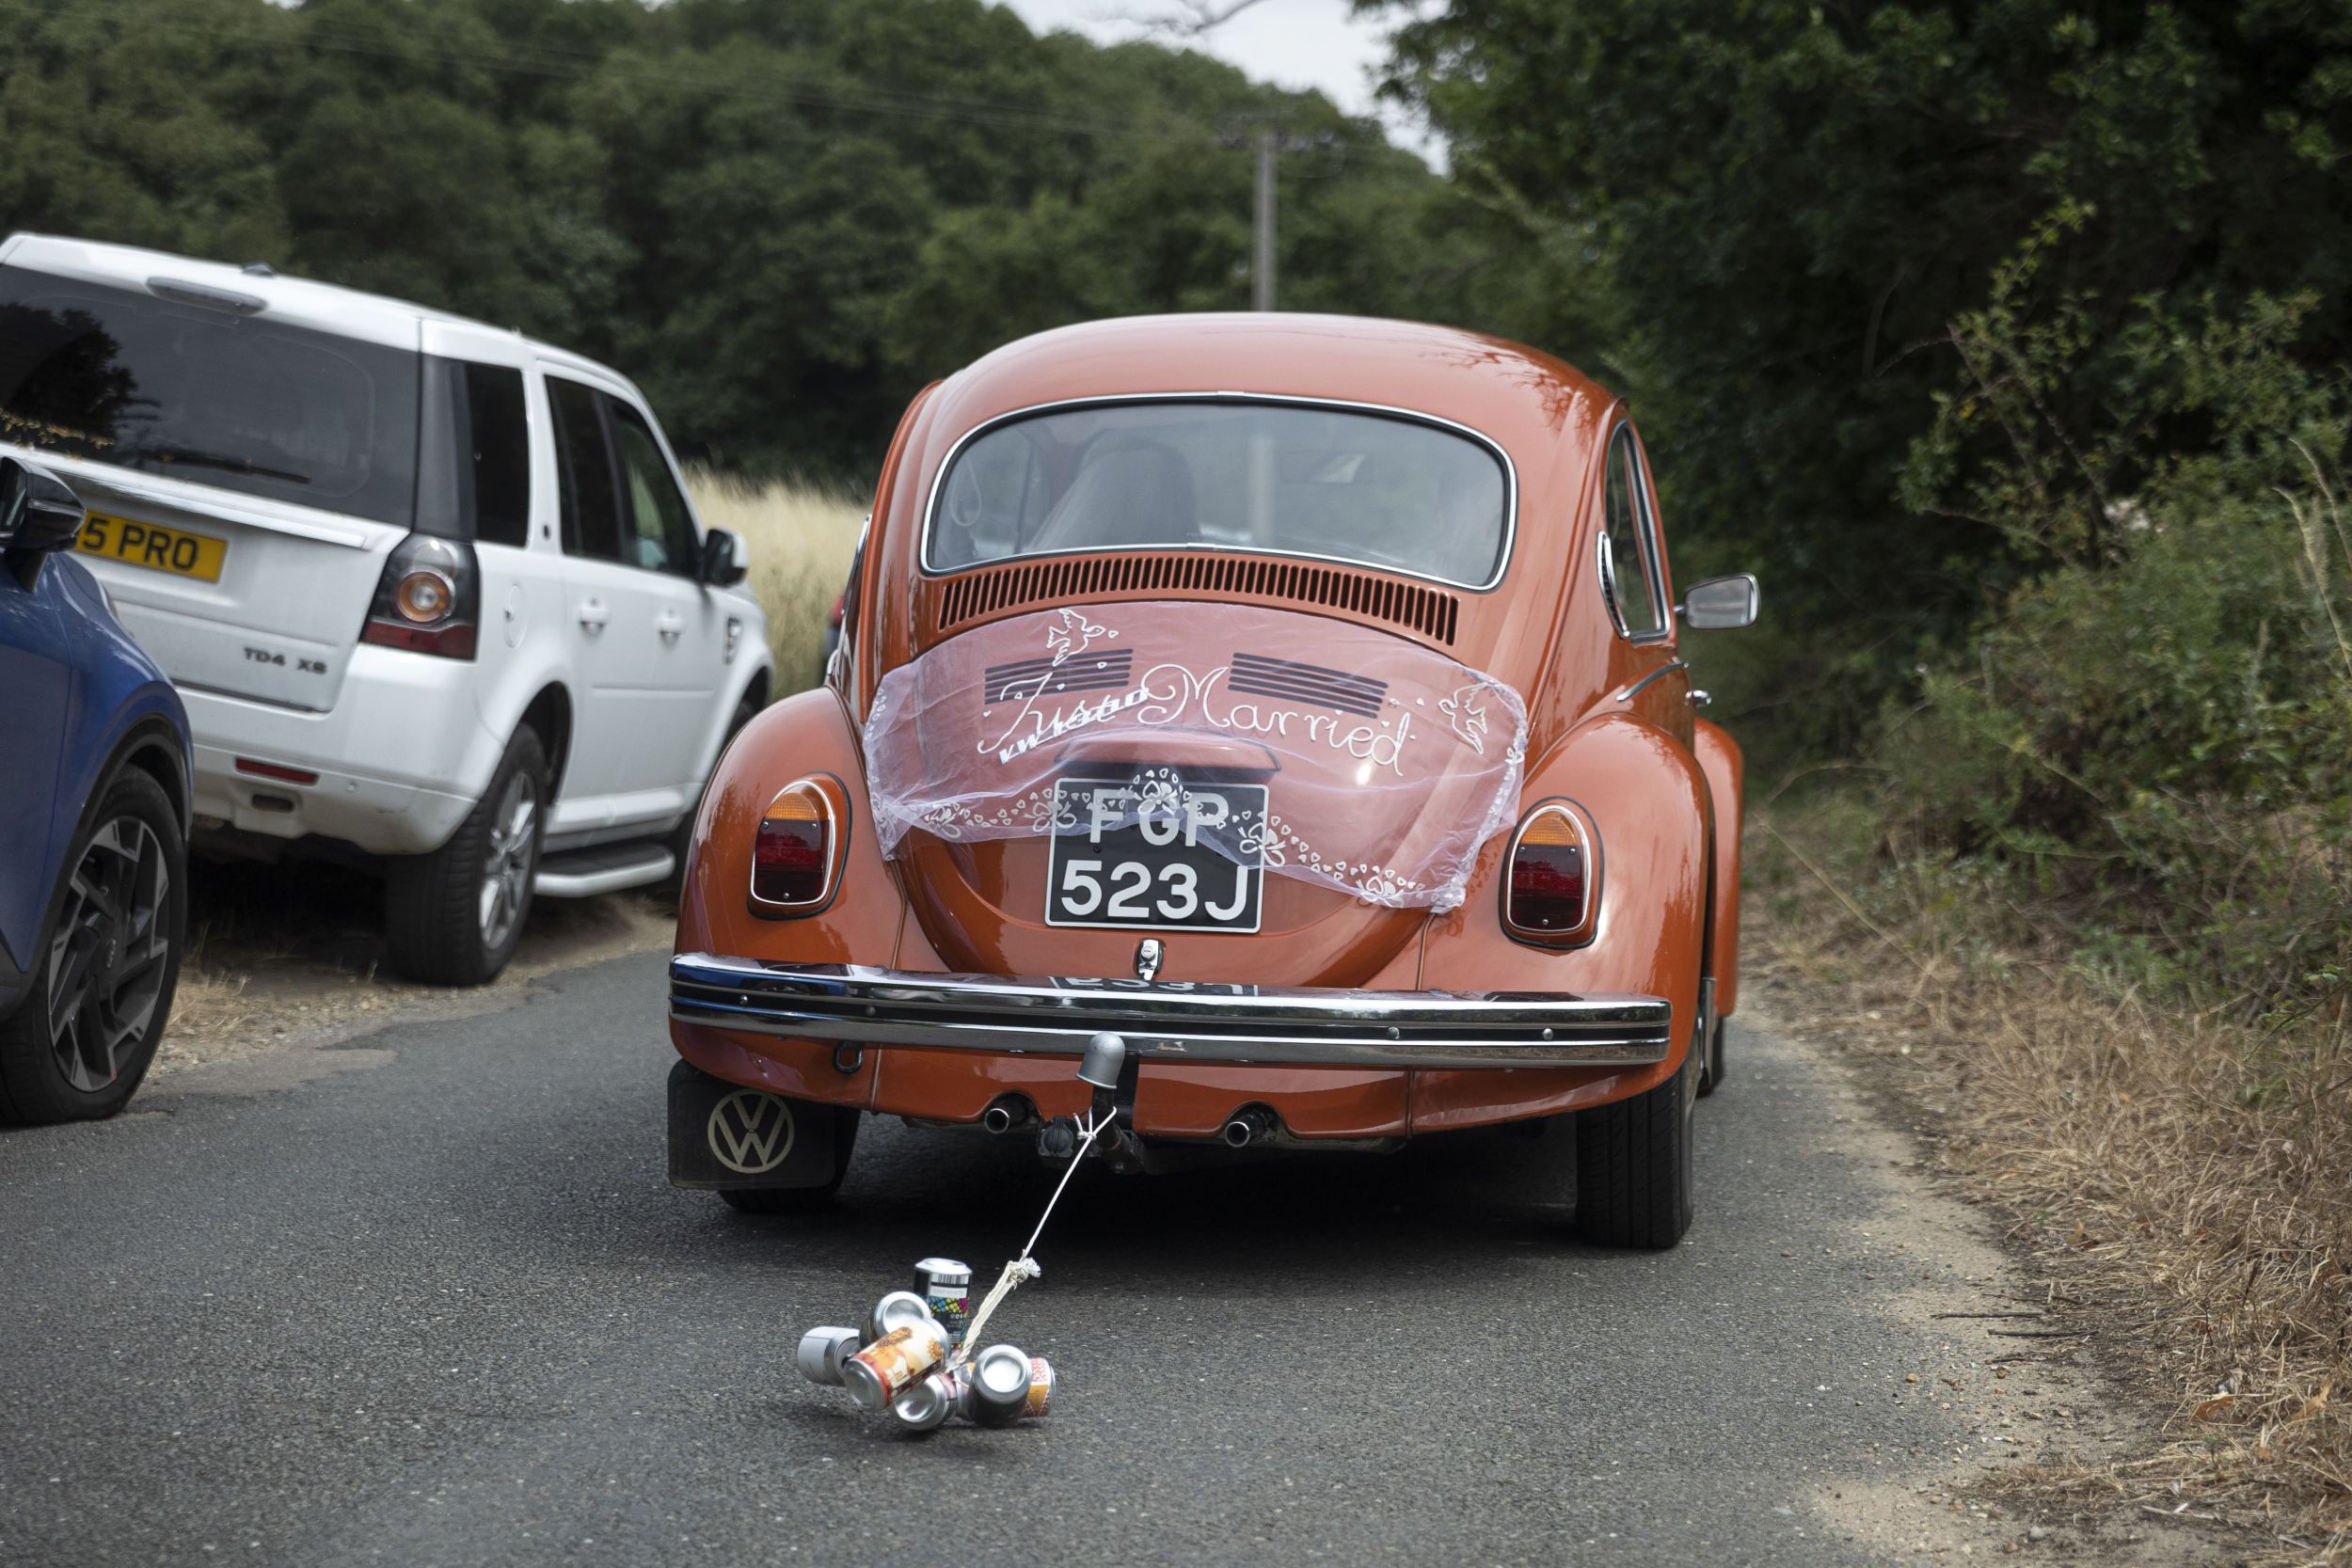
(725, 1136)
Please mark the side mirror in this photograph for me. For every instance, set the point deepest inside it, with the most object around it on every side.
(725, 560)
(38, 509)
(1720, 603)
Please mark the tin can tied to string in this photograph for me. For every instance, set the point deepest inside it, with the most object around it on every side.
(1003, 1385)
(824, 1350)
(927, 1402)
(946, 1287)
(926, 1360)
(1040, 1401)
(897, 1309)
(885, 1369)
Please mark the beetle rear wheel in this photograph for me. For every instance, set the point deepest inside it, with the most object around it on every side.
(1633, 1164)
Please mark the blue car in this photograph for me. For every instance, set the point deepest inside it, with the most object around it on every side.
(94, 770)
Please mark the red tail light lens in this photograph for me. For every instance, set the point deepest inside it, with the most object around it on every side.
(1550, 898)
(428, 599)
(792, 861)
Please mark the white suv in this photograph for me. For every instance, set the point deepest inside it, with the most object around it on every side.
(432, 592)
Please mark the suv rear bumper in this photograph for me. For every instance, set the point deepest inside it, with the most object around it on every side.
(399, 759)
(1167, 1021)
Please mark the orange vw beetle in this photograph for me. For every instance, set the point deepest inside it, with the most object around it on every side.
(1288, 709)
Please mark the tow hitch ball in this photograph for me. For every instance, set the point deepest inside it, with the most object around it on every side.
(1111, 1073)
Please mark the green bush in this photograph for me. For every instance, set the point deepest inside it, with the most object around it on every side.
(2154, 736)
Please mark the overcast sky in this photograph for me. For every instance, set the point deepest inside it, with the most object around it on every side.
(1295, 43)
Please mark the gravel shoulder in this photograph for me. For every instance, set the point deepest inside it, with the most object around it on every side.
(292, 955)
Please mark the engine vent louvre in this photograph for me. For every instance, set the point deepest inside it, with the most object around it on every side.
(969, 595)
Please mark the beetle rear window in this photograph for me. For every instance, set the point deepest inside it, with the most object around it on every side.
(1334, 484)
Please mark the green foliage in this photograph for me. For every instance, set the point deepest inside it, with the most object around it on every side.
(781, 219)
(1791, 206)
(2157, 733)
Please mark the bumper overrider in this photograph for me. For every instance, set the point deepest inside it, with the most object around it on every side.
(1170, 1020)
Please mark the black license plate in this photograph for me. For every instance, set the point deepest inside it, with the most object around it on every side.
(1181, 871)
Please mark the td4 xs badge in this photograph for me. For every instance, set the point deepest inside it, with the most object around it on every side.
(300, 664)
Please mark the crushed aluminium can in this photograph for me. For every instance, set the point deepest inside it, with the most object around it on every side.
(823, 1351)
(896, 1311)
(925, 1402)
(946, 1287)
(995, 1389)
(885, 1369)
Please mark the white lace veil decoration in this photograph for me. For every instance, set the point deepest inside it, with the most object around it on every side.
(1387, 765)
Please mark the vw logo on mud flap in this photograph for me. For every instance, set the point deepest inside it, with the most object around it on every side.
(750, 1133)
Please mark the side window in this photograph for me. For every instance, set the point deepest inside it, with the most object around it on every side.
(656, 530)
(498, 463)
(473, 454)
(1629, 573)
(583, 460)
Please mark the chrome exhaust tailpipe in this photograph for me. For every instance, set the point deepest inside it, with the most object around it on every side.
(1007, 1115)
(1248, 1126)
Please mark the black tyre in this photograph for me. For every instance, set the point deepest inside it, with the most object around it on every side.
(85, 1034)
(1711, 1069)
(453, 917)
(800, 1200)
(682, 836)
(1633, 1165)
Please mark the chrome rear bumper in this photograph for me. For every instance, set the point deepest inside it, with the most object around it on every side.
(1170, 1020)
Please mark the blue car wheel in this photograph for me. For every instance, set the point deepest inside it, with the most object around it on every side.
(106, 965)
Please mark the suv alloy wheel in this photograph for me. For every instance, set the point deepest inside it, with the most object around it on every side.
(453, 917)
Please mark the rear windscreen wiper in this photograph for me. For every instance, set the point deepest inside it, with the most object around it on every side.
(200, 459)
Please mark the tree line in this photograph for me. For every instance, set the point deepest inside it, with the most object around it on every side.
(782, 219)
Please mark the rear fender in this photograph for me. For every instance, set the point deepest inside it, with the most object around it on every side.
(1721, 760)
(1647, 800)
(804, 734)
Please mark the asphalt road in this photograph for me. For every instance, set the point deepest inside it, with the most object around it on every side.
(426, 1297)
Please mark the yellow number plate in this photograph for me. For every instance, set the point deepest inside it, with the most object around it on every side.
(154, 547)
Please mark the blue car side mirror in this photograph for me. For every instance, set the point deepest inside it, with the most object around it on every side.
(38, 509)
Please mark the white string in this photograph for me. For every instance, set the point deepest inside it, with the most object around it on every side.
(1089, 1143)
(1022, 1268)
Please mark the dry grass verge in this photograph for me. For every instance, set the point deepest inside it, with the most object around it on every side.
(801, 538)
(2186, 1179)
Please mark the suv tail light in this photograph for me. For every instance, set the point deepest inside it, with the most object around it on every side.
(796, 861)
(428, 600)
(1553, 894)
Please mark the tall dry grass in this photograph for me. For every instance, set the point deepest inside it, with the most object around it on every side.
(2184, 1176)
(801, 537)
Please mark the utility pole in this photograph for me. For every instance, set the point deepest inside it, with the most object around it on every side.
(1269, 146)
